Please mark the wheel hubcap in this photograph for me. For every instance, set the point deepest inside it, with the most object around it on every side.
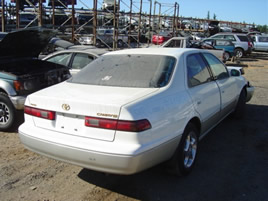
(4, 113)
(189, 150)
(239, 54)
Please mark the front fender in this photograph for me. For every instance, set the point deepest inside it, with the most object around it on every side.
(7, 87)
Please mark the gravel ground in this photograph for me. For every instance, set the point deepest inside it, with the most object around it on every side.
(232, 164)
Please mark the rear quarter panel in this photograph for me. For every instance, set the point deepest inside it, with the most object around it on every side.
(168, 110)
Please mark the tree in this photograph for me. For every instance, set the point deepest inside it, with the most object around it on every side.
(208, 16)
(214, 16)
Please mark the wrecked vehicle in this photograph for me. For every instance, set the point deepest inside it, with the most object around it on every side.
(22, 73)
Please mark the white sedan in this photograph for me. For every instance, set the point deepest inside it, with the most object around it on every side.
(132, 109)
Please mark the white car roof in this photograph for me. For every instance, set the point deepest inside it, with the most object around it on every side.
(176, 52)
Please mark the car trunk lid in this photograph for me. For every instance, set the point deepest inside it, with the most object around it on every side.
(73, 102)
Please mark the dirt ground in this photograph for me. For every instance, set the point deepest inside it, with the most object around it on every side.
(232, 164)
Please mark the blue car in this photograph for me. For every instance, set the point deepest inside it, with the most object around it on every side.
(220, 44)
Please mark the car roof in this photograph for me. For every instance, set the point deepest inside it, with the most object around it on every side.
(176, 52)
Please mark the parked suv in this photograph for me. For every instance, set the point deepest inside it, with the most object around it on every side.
(243, 45)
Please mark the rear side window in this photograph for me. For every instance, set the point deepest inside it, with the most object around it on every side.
(62, 59)
(243, 38)
(81, 60)
(263, 39)
(197, 71)
(217, 68)
(144, 71)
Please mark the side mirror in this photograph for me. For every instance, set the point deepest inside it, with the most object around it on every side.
(235, 73)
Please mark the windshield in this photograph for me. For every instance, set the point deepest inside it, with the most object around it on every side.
(145, 71)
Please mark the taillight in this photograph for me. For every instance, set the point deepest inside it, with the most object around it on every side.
(121, 125)
(45, 114)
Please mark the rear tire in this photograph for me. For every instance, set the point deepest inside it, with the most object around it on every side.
(239, 52)
(183, 160)
(7, 113)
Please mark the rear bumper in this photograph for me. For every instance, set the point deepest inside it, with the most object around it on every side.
(95, 160)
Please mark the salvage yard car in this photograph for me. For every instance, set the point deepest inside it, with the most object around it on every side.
(75, 59)
(132, 109)
(22, 73)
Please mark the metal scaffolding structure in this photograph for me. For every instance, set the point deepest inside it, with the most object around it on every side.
(139, 25)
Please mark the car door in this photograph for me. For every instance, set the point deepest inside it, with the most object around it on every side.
(227, 84)
(204, 92)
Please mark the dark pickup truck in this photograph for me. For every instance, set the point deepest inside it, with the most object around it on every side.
(22, 73)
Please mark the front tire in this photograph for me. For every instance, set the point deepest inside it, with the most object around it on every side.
(183, 160)
(7, 113)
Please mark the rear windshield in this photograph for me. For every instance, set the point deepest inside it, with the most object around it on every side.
(145, 71)
(243, 38)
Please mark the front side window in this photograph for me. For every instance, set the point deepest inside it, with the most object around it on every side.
(197, 71)
(62, 59)
(144, 71)
(217, 68)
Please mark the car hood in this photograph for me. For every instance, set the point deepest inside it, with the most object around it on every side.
(25, 43)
